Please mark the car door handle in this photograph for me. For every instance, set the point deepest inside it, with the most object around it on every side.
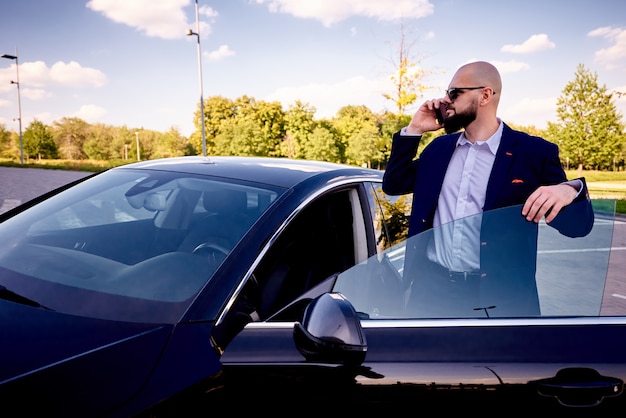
(579, 386)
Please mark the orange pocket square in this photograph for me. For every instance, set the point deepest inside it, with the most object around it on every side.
(517, 181)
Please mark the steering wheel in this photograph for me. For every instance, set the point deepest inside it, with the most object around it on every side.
(215, 252)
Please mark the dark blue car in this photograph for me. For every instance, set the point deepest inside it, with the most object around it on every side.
(180, 286)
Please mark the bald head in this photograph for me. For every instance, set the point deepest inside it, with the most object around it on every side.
(481, 73)
(476, 105)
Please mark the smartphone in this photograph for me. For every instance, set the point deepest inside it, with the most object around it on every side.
(440, 113)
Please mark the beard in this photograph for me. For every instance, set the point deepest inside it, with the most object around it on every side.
(460, 120)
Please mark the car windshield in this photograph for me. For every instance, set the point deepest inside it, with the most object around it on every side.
(133, 245)
(567, 276)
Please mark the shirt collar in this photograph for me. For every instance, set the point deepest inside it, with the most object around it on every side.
(493, 142)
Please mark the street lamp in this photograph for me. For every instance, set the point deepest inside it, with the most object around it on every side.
(137, 141)
(19, 101)
(197, 33)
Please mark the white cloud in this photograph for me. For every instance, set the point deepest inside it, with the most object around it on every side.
(5, 84)
(530, 111)
(535, 43)
(611, 56)
(90, 113)
(333, 11)
(163, 19)
(429, 36)
(329, 98)
(207, 11)
(7, 75)
(36, 74)
(45, 117)
(35, 94)
(222, 52)
(508, 67)
(73, 74)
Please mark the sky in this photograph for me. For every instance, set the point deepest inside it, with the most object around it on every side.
(131, 63)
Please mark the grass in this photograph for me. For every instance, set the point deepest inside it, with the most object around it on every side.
(77, 165)
(605, 185)
(593, 175)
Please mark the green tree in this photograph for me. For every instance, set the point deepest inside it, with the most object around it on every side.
(38, 141)
(7, 149)
(69, 136)
(530, 129)
(97, 145)
(589, 133)
(364, 147)
(258, 127)
(216, 110)
(240, 136)
(322, 145)
(349, 123)
(171, 144)
(299, 124)
(112, 143)
(270, 119)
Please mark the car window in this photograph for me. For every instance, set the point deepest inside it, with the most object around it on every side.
(324, 238)
(573, 276)
(391, 216)
(148, 235)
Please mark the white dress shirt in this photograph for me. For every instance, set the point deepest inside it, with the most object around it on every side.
(456, 245)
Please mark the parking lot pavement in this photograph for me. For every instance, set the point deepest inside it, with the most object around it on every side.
(19, 185)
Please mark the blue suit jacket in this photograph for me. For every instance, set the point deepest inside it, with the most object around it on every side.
(522, 164)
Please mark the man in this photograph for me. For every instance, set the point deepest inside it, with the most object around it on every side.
(464, 269)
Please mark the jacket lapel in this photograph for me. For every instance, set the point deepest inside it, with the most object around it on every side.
(504, 158)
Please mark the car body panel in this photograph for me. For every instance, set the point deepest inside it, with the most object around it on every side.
(442, 362)
(46, 347)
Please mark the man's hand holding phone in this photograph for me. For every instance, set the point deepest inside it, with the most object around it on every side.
(440, 113)
(423, 120)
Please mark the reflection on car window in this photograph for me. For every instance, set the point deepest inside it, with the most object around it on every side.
(154, 236)
(391, 215)
(572, 276)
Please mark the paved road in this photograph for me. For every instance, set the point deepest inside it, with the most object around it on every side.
(18, 185)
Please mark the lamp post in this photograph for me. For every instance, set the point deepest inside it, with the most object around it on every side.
(137, 141)
(197, 33)
(19, 100)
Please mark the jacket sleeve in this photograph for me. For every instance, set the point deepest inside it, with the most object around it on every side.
(399, 176)
(577, 218)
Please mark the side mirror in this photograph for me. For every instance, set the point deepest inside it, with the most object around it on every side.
(331, 331)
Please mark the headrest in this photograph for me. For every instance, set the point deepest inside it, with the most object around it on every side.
(155, 202)
(225, 201)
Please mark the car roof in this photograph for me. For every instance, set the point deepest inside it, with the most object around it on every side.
(283, 172)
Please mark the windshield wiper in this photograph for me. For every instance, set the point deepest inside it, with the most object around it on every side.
(9, 295)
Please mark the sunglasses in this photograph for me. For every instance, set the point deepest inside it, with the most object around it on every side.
(454, 92)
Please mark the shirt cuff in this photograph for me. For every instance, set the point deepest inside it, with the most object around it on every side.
(404, 133)
(576, 184)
